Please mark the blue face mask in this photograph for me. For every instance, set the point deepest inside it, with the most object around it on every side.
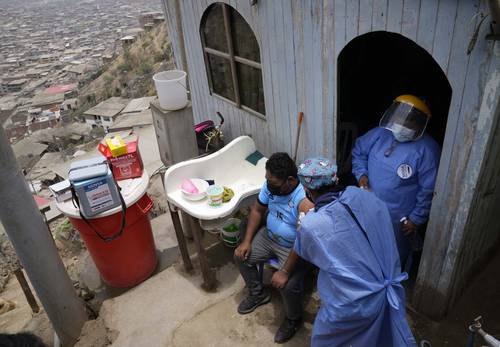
(402, 133)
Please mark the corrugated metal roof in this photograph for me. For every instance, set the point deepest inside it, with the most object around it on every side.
(28, 146)
(138, 105)
(62, 88)
(108, 108)
(130, 120)
(46, 99)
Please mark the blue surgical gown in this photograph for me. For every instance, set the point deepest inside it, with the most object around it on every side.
(402, 174)
(362, 300)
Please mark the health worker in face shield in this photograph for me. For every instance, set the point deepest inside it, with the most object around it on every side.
(398, 161)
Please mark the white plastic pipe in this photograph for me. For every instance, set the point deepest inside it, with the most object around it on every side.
(36, 249)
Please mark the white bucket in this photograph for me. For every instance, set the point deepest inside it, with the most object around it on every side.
(171, 88)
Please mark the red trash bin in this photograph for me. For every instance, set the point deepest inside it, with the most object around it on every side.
(130, 258)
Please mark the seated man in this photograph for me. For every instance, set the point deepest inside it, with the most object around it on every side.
(282, 198)
(349, 237)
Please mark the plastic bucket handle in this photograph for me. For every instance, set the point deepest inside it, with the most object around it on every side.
(176, 80)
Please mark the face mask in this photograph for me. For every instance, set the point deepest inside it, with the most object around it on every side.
(275, 190)
(402, 133)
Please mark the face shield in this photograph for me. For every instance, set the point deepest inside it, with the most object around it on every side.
(406, 122)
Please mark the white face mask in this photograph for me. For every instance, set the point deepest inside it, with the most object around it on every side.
(402, 133)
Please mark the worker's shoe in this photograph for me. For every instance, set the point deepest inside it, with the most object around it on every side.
(251, 302)
(286, 330)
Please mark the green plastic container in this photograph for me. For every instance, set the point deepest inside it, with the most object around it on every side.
(230, 232)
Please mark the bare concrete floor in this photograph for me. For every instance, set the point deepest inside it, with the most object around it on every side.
(171, 309)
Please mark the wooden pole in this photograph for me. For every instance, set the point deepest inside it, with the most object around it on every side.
(27, 290)
(300, 118)
(209, 280)
(181, 240)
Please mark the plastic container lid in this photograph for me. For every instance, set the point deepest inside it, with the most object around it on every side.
(132, 190)
(89, 168)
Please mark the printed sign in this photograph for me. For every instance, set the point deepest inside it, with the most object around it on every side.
(98, 195)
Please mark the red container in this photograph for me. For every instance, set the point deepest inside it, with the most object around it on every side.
(128, 259)
(124, 166)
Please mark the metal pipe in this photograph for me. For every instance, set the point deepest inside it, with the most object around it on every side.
(476, 327)
(490, 340)
(36, 249)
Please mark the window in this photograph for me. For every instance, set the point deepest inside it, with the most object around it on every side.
(232, 58)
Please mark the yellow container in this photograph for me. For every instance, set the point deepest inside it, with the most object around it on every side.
(116, 146)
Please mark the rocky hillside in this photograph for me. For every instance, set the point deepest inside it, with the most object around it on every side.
(130, 74)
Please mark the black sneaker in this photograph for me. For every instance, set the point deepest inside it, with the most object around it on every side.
(286, 330)
(251, 302)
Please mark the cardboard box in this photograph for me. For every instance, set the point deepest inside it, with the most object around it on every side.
(125, 166)
(116, 145)
(61, 191)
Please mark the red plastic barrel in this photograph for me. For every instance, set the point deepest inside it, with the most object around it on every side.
(128, 259)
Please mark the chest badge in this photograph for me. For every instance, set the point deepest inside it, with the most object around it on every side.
(405, 171)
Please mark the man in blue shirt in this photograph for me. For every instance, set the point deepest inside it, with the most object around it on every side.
(349, 237)
(282, 198)
(398, 161)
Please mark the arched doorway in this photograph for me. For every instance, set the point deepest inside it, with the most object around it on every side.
(372, 70)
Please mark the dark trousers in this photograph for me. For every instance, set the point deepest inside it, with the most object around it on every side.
(263, 249)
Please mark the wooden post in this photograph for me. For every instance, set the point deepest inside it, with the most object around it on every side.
(186, 226)
(209, 280)
(26, 290)
(181, 240)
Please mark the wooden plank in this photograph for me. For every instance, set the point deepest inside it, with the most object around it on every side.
(298, 10)
(198, 8)
(476, 63)
(411, 11)
(279, 82)
(290, 70)
(316, 115)
(394, 15)
(443, 238)
(260, 129)
(171, 22)
(456, 72)
(340, 17)
(445, 26)
(249, 13)
(308, 92)
(329, 66)
(272, 113)
(365, 16)
(229, 39)
(427, 24)
(352, 18)
(379, 19)
(195, 77)
(473, 88)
